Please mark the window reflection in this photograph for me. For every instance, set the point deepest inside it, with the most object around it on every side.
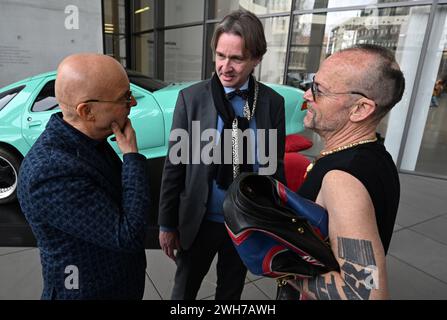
(317, 36)
(183, 54)
(114, 29)
(322, 4)
(114, 16)
(143, 15)
(273, 63)
(220, 8)
(183, 11)
(46, 100)
(144, 47)
(426, 144)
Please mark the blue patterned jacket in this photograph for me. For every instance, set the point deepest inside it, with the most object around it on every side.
(89, 217)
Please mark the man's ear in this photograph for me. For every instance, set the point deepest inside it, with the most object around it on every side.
(362, 110)
(84, 112)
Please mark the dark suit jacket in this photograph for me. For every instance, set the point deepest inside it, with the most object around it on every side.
(185, 188)
(85, 213)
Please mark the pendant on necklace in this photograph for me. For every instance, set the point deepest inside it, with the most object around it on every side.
(309, 169)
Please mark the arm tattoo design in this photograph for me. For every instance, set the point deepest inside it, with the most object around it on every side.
(356, 251)
(323, 291)
(357, 283)
(360, 252)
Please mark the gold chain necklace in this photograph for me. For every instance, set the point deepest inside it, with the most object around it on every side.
(347, 146)
(335, 150)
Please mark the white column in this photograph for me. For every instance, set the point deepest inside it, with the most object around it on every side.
(408, 52)
(428, 78)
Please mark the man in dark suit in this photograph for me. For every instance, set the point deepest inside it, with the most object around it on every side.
(87, 209)
(192, 192)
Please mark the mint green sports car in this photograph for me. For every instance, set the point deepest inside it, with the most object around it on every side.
(26, 106)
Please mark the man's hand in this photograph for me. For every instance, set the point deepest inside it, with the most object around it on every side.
(169, 242)
(126, 139)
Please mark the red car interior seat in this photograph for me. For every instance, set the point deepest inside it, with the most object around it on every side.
(295, 164)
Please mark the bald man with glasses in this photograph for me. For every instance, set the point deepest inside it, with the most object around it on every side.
(354, 177)
(86, 207)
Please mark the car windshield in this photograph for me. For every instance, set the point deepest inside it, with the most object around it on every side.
(7, 96)
(144, 81)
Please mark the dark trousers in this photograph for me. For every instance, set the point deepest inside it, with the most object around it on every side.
(287, 292)
(193, 264)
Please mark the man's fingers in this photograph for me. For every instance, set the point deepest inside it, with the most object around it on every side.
(129, 131)
(116, 129)
(169, 242)
(171, 253)
(128, 125)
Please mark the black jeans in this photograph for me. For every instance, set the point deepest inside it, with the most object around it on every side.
(193, 264)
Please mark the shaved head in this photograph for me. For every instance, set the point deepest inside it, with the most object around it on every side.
(351, 63)
(373, 71)
(86, 76)
(92, 90)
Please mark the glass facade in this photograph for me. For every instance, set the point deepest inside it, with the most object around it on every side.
(271, 69)
(328, 4)
(259, 7)
(170, 40)
(183, 54)
(144, 53)
(317, 36)
(115, 40)
(425, 143)
(181, 11)
(143, 15)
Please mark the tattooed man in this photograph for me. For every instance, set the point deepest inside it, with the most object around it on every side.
(354, 177)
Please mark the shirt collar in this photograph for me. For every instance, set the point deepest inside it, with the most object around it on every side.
(243, 87)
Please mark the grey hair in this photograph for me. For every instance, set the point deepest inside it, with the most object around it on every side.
(383, 82)
(245, 24)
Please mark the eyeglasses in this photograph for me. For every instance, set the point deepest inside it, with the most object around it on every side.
(128, 100)
(316, 92)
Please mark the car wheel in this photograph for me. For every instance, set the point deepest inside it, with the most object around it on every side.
(9, 171)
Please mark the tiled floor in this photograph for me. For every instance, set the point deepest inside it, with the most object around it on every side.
(416, 261)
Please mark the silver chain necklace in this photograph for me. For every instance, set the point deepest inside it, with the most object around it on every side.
(234, 134)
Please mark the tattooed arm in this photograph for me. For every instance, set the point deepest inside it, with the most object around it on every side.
(355, 242)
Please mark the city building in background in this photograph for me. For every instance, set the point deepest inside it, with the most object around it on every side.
(170, 40)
